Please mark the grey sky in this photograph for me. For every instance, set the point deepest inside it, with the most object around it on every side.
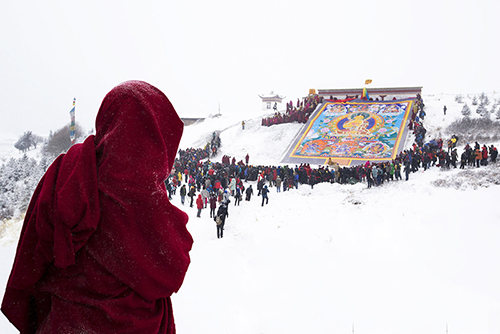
(200, 53)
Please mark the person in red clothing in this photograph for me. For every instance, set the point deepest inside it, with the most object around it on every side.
(199, 205)
(102, 249)
(484, 161)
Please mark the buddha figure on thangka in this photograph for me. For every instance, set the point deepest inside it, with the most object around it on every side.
(357, 130)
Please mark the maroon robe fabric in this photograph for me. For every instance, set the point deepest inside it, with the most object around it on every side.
(102, 249)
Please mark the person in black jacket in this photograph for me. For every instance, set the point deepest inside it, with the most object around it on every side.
(183, 193)
(221, 214)
(192, 194)
(237, 197)
(493, 153)
(249, 193)
(264, 193)
(260, 185)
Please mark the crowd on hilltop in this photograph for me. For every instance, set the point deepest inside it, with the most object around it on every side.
(299, 113)
(208, 183)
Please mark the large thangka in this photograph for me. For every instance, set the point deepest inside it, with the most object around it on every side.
(354, 130)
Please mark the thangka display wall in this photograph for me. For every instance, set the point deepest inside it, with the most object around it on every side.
(353, 132)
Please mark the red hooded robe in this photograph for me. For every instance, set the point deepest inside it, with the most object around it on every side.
(102, 249)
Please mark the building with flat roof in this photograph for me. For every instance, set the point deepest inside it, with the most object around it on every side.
(380, 94)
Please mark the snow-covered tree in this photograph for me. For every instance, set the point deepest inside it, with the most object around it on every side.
(486, 113)
(466, 110)
(18, 180)
(493, 109)
(459, 98)
(27, 140)
(36, 139)
(59, 142)
(474, 101)
(481, 110)
(24, 142)
(483, 99)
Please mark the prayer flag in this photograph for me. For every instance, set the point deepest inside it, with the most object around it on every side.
(365, 94)
(72, 125)
(368, 81)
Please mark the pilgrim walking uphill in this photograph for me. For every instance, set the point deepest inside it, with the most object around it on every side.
(220, 219)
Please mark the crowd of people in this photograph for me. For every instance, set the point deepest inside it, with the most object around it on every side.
(299, 113)
(478, 156)
(215, 183)
(210, 183)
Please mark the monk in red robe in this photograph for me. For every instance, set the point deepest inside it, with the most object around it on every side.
(102, 249)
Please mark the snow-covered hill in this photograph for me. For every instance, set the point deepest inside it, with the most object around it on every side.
(408, 257)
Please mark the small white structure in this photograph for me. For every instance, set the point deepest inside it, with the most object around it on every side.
(271, 101)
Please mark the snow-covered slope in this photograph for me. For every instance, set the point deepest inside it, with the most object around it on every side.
(264, 145)
(409, 257)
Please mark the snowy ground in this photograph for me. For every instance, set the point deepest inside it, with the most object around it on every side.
(407, 257)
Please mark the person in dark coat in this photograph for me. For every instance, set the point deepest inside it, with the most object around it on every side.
(183, 193)
(222, 214)
(191, 194)
(102, 249)
(369, 177)
(249, 193)
(463, 160)
(168, 186)
(237, 197)
(265, 196)
(407, 169)
(213, 204)
(493, 153)
(260, 185)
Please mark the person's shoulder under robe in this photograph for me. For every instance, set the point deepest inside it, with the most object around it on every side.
(102, 249)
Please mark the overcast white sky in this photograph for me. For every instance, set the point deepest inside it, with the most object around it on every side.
(200, 53)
